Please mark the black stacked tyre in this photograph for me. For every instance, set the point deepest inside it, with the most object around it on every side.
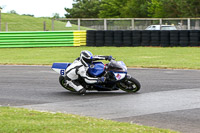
(91, 38)
(174, 38)
(136, 38)
(184, 38)
(164, 38)
(155, 38)
(118, 37)
(99, 38)
(127, 38)
(161, 38)
(108, 37)
(194, 37)
(146, 38)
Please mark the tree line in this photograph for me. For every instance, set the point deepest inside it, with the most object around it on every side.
(134, 9)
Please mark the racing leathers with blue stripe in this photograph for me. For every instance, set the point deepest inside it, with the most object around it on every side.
(79, 68)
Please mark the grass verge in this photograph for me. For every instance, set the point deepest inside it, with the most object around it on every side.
(23, 120)
(148, 57)
(27, 23)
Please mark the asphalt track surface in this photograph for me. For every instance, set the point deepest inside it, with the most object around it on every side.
(168, 98)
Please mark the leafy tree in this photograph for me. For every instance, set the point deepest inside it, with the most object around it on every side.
(124, 8)
(135, 9)
(56, 15)
(189, 8)
(163, 9)
(28, 15)
(12, 12)
(174, 8)
(112, 8)
(155, 9)
(84, 9)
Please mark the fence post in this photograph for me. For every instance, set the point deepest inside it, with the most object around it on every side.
(6, 26)
(52, 25)
(105, 24)
(196, 26)
(161, 21)
(133, 24)
(44, 24)
(188, 23)
(79, 24)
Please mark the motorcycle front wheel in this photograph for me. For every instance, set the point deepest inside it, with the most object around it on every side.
(63, 84)
(130, 85)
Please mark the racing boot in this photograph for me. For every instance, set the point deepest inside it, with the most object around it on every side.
(82, 91)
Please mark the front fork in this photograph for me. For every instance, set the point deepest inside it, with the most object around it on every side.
(128, 76)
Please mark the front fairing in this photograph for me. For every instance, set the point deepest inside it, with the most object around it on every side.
(118, 69)
(117, 66)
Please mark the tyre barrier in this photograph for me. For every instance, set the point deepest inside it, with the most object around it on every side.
(108, 37)
(194, 37)
(155, 38)
(127, 38)
(118, 38)
(184, 38)
(98, 38)
(91, 38)
(174, 38)
(134, 38)
(165, 38)
(146, 38)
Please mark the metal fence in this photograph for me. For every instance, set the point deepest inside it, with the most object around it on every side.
(27, 26)
(102, 24)
(131, 23)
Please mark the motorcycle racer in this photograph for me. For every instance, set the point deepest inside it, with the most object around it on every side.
(79, 68)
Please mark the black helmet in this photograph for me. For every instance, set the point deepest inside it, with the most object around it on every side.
(86, 57)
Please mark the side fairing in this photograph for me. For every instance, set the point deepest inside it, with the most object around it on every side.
(60, 67)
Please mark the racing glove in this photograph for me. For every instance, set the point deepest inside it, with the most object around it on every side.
(108, 58)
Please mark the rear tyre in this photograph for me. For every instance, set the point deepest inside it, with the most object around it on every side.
(62, 83)
(129, 85)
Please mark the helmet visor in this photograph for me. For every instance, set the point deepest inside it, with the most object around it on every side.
(89, 61)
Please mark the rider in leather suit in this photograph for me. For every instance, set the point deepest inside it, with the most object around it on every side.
(79, 68)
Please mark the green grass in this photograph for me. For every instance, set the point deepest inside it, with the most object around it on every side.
(26, 121)
(149, 57)
(28, 23)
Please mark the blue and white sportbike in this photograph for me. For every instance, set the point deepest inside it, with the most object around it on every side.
(114, 71)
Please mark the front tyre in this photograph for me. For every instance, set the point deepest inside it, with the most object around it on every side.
(130, 85)
(63, 84)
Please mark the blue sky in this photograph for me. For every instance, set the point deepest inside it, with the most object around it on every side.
(38, 8)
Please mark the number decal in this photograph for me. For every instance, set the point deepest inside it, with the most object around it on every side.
(62, 72)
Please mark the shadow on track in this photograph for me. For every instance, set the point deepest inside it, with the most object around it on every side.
(93, 93)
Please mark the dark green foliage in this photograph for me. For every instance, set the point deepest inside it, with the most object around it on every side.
(112, 8)
(84, 9)
(134, 9)
(174, 8)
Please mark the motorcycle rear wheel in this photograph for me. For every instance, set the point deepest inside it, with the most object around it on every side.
(129, 85)
(62, 83)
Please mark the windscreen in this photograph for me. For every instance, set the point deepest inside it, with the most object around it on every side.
(114, 65)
